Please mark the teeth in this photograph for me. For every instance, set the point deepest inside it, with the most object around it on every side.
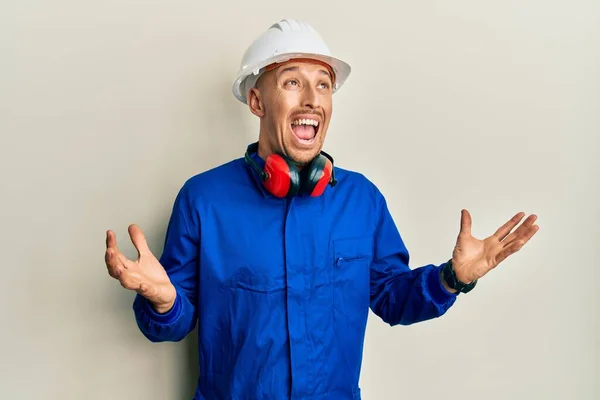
(305, 121)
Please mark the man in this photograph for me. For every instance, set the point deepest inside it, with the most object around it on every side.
(278, 255)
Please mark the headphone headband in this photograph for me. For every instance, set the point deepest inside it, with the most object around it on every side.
(332, 181)
(253, 148)
(282, 178)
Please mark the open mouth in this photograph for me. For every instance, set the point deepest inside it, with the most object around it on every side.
(305, 129)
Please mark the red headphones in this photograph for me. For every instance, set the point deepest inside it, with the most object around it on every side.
(282, 178)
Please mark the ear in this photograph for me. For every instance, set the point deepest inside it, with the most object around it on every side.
(255, 102)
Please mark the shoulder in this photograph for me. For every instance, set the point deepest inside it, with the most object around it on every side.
(355, 183)
(358, 201)
(225, 170)
(215, 182)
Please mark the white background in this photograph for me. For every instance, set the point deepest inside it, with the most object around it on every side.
(107, 107)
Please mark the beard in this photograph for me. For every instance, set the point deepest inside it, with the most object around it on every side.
(300, 158)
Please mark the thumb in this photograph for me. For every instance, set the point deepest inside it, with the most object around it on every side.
(139, 240)
(465, 223)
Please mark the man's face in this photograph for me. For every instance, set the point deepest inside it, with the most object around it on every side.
(294, 102)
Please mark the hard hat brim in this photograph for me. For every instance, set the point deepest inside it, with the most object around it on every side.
(340, 68)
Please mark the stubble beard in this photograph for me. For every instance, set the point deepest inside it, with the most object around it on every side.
(301, 159)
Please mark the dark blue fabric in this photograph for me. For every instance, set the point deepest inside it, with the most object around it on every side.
(280, 288)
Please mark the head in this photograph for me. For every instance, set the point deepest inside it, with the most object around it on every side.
(293, 101)
(287, 78)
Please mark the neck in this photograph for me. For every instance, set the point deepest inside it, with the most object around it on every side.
(265, 148)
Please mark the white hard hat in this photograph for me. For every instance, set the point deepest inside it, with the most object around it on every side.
(285, 40)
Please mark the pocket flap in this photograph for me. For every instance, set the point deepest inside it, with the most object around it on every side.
(256, 280)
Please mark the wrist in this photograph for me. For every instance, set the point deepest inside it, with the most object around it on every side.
(459, 271)
(164, 306)
(452, 280)
(168, 316)
(445, 284)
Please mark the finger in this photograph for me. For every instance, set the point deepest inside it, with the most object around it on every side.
(138, 239)
(527, 233)
(516, 245)
(115, 254)
(110, 258)
(508, 250)
(113, 264)
(465, 222)
(111, 239)
(521, 230)
(505, 229)
(130, 280)
(111, 243)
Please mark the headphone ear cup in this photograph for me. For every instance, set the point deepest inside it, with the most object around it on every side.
(284, 178)
(318, 176)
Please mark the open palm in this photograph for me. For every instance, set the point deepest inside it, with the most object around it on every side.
(145, 275)
(472, 258)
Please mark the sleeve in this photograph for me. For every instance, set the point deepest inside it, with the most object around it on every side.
(180, 260)
(400, 295)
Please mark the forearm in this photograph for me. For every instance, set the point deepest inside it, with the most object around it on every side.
(412, 296)
(399, 294)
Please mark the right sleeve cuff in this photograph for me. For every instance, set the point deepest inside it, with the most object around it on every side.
(435, 287)
(167, 318)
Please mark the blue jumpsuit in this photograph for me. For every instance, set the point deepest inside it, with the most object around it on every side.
(281, 288)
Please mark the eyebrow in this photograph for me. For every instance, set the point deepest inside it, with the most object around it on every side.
(295, 68)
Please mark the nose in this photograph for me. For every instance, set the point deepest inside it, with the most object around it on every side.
(310, 98)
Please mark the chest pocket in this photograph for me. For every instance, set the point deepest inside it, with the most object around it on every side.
(352, 259)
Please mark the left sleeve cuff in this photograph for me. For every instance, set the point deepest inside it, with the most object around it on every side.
(436, 289)
(167, 318)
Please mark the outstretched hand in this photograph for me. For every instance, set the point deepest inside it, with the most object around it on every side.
(473, 258)
(145, 276)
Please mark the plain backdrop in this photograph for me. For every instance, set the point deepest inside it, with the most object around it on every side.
(107, 107)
